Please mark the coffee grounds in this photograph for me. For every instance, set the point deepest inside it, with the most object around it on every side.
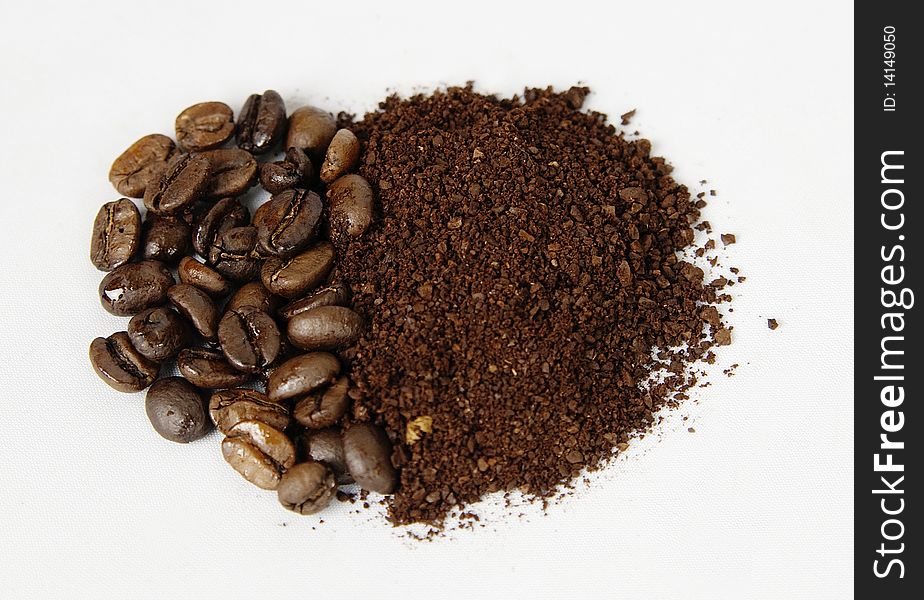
(524, 289)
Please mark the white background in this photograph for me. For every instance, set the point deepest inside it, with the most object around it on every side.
(757, 503)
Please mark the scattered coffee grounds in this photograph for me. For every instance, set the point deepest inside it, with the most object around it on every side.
(522, 286)
(772, 324)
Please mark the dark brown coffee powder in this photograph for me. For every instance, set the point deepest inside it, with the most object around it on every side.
(522, 283)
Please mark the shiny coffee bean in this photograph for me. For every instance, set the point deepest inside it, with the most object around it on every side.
(302, 375)
(298, 275)
(165, 238)
(338, 294)
(205, 278)
(234, 254)
(249, 338)
(262, 122)
(131, 288)
(204, 126)
(350, 199)
(307, 488)
(326, 446)
(367, 451)
(325, 328)
(234, 171)
(311, 129)
(122, 367)
(342, 156)
(225, 214)
(135, 168)
(288, 221)
(180, 183)
(209, 369)
(254, 294)
(177, 410)
(325, 407)
(158, 333)
(296, 170)
(229, 407)
(260, 453)
(198, 309)
(116, 231)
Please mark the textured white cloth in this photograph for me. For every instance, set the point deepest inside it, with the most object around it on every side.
(757, 503)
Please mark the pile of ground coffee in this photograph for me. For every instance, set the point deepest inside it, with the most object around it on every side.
(521, 284)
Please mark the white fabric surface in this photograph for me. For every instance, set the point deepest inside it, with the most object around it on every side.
(757, 503)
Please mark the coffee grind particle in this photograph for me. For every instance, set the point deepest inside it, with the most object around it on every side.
(518, 281)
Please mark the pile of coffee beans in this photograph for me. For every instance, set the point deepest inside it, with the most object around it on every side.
(249, 309)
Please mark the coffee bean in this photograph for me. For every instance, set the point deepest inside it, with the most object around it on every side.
(326, 446)
(233, 172)
(165, 238)
(254, 294)
(131, 288)
(249, 338)
(180, 183)
(367, 452)
(234, 254)
(302, 375)
(177, 410)
(288, 222)
(229, 407)
(135, 168)
(338, 294)
(342, 156)
(260, 453)
(307, 488)
(116, 231)
(158, 333)
(225, 214)
(350, 199)
(296, 276)
(325, 407)
(296, 170)
(204, 126)
(262, 122)
(198, 309)
(325, 328)
(205, 278)
(207, 368)
(117, 363)
(311, 129)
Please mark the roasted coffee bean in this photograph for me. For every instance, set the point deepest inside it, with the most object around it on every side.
(204, 126)
(302, 375)
(249, 338)
(229, 407)
(254, 294)
(135, 168)
(350, 199)
(262, 122)
(225, 214)
(325, 328)
(116, 231)
(165, 238)
(260, 453)
(117, 363)
(326, 446)
(367, 451)
(180, 183)
(177, 410)
(325, 407)
(338, 294)
(198, 309)
(208, 369)
(342, 156)
(158, 333)
(234, 171)
(288, 221)
(234, 254)
(131, 288)
(296, 170)
(311, 129)
(296, 276)
(205, 278)
(307, 488)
